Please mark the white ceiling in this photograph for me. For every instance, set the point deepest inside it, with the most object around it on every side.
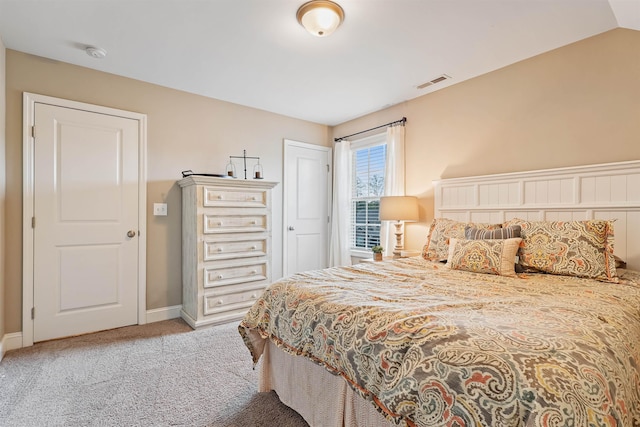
(254, 52)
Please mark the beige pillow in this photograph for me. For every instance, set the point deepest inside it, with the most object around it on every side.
(495, 256)
(441, 230)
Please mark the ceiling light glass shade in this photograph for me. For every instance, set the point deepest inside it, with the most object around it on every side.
(320, 17)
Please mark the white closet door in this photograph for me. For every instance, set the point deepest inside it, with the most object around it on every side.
(86, 222)
(306, 186)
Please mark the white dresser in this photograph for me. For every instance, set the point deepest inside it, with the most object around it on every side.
(226, 247)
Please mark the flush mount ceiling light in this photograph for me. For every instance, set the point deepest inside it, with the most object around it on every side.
(320, 17)
(95, 52)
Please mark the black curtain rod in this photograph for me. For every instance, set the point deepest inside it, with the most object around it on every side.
(402, 120)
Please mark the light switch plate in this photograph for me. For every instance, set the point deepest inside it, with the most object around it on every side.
(160, 209)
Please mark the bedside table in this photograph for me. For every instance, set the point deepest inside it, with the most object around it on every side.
(408, 253)
(386, 258)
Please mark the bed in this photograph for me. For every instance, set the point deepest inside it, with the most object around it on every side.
(470, 342)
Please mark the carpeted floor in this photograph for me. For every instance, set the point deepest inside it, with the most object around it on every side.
(160, 374)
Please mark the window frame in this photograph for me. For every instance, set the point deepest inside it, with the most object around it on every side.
(367, 142)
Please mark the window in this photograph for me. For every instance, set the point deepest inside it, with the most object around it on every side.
(368, 186)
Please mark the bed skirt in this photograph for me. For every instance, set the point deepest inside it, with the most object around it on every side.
(321, 398)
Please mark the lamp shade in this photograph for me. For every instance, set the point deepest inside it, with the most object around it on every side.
(398, 208)
(320, 17)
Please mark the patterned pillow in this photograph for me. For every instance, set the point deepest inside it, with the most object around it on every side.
(471, 233)
(570, 248)
(440, 231)
(493, 256)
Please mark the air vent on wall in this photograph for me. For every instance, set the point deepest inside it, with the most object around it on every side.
(438, 79)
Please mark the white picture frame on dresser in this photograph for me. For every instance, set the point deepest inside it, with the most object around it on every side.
(226, 247)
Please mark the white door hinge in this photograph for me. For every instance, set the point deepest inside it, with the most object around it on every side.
(33, 131)
(327, 168)
(33, 313)
(33, 222)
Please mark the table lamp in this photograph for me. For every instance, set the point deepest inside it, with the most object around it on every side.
(398, 209)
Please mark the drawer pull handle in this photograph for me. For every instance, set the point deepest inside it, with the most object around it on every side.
(219, 223)
(219, 302)
(254, 222)
(254, 247)
(220, 249)
(253, 271)
(220, 196)
(219, 276)
(254, 296)
(254, 198)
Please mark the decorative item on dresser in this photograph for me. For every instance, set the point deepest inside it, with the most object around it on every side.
(257, 169)
(226, 247)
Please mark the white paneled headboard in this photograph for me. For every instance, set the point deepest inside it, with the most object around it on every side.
(607, 191)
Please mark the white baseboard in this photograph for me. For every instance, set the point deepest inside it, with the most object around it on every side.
(9, 342)
(164, 313)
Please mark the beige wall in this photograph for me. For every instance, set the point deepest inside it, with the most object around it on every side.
(579, 104)
(2, 186)
(576, 105)
(185, 131)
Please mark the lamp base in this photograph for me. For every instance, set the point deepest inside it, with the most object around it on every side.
(398, 247)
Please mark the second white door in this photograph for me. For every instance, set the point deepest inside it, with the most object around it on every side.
(86, 222)
(306, 186)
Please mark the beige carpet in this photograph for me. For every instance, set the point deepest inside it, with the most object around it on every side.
(160, 374)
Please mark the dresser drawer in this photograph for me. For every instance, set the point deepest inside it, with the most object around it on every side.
(222, 276)
(234, 223)
(215, 249)
(220, 303)
(218, 197)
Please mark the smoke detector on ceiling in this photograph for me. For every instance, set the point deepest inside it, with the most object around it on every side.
(95, 52)
(438, 79)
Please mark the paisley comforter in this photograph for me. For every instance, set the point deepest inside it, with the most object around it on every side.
(428, 346)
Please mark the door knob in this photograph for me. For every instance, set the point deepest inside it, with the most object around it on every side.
(131, 233)
(291, 228)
